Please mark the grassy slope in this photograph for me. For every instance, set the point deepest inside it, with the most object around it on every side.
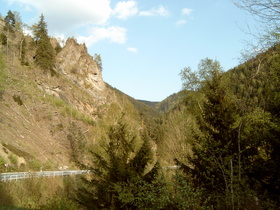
(34, 125)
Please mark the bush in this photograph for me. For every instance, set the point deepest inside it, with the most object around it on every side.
(35, 165)
(3, 39)
(18, 100)
(13, 159)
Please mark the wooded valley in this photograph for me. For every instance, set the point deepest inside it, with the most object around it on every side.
(213, 145)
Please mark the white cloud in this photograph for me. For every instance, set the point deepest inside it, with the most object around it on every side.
(181, 22)
(63, 15)
(132, 49)
(125, 9)
(113, 34)
(61, 39)
(27, 31)
(160, 11)
(186, 11)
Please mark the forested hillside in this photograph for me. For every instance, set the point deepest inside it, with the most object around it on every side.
(213, 145)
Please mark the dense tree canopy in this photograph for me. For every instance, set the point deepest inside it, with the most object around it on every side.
(234, 150)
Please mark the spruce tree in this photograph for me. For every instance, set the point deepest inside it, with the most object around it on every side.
(214, 147)
(118, 167)
(44, 51)
(10, 22)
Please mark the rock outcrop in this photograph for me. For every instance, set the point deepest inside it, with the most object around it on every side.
(74, 62)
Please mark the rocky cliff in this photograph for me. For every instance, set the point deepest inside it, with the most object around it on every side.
(74, 62)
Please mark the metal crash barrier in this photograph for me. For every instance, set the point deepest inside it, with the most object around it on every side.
(4, 177)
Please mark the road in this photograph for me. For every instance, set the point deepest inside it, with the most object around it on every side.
(25, 175)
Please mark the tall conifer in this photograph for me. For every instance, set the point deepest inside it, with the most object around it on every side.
(118, 168)
(44, 51)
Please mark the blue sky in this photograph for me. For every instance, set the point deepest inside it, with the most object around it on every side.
(144, 44)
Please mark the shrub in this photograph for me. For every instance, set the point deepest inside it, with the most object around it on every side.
(18, 100)
(13, 159)
(35, 165)
(3, 39)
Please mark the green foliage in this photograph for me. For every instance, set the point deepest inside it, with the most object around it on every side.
(98, 60)
(18, 100)
(35, 164)
(45, 54)
(235, 153)
(144, 195)
(170, 102)
(77, 143)
(185, 195)
(58, 48)
(257, 95)
(10, 22)
(59, 203)
(215, 143)
(3, 39)
(70, 111)
(44, 51)
(194, 80)
(18, 152)
(40, 29)
(5, 195)
(13, 159)
(117, 164)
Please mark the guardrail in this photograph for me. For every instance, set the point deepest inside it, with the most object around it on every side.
(4, 177)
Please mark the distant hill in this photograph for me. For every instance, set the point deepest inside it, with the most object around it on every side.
(167, 104)
(140, 105)
(170, 102)
(149, 103)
